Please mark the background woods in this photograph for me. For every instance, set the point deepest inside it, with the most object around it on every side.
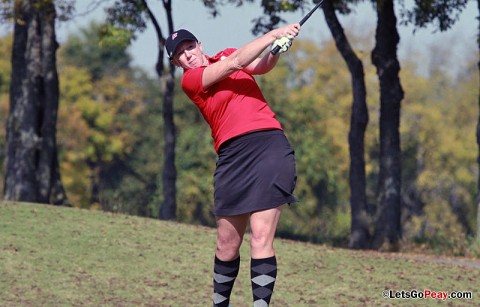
(363, 130)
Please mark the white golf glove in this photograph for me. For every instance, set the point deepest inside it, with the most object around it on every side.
(283, 42)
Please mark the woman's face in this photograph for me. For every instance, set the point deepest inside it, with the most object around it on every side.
(189, 54)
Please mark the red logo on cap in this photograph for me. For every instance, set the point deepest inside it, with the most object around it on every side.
(174, 35)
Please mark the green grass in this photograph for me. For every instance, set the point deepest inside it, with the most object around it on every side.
(52, 256)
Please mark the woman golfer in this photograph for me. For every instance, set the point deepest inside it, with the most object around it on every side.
(255, 172)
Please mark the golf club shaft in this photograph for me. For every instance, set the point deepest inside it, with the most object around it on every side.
(304, 19)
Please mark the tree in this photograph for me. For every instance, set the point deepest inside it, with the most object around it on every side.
(32, 169)
(359, 232)
(384, 57)
(131, 16)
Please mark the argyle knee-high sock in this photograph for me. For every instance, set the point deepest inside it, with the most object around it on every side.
(263, 273)
(224, 274)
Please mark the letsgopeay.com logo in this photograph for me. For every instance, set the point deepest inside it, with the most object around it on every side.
(427, 294)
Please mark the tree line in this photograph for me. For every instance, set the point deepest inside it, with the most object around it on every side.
(84, 128)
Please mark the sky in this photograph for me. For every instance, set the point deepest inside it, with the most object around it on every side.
(233, 29)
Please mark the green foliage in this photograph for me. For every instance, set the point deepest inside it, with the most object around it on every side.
(99, 48)
(6, 10)
(473, 247)
(442, 13)
(113, 37)
(272, 17)
(5, 64)
(5, 72)
(439, 145)
(97, 123)
(102, 101)
(195, 163)
(135, 180)
(128, 15)
(213, 5)
(64, 9)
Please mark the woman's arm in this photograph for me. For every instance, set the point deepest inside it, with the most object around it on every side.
(246, 57)
(262, 65)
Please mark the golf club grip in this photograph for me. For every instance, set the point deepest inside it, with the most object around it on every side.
(275, 50)
(304, 19)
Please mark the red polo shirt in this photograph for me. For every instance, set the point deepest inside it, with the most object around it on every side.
(232, 106)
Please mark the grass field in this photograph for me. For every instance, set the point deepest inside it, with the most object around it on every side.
(52, 256)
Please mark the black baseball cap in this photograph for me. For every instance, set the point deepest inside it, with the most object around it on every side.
(176, 38)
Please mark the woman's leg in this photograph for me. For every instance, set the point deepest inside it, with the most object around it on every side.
(263, 267)
(263, 225)
(230, 231)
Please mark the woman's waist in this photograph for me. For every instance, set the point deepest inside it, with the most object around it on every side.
(250, 134)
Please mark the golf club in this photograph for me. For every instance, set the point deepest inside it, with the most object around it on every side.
(304, 19)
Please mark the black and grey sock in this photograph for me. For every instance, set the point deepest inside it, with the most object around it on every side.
(224, 274)
(263, 273)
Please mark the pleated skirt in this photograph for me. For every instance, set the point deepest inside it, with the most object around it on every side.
(254, 172)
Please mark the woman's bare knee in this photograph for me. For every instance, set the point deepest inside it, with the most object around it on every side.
(263, 226)
(228, 245)
(261, 243)
(230, 233)
(227, 251)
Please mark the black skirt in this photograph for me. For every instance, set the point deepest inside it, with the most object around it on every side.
(254, 172)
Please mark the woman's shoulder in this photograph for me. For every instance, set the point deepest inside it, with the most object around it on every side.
(224, 53)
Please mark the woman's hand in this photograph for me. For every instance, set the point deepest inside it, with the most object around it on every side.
(289, 30)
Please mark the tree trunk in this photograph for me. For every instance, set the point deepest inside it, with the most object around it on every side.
(32, 172)
(168, 208)
(49, 106)
(384, 57)
(359, 234)
(169, 177)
